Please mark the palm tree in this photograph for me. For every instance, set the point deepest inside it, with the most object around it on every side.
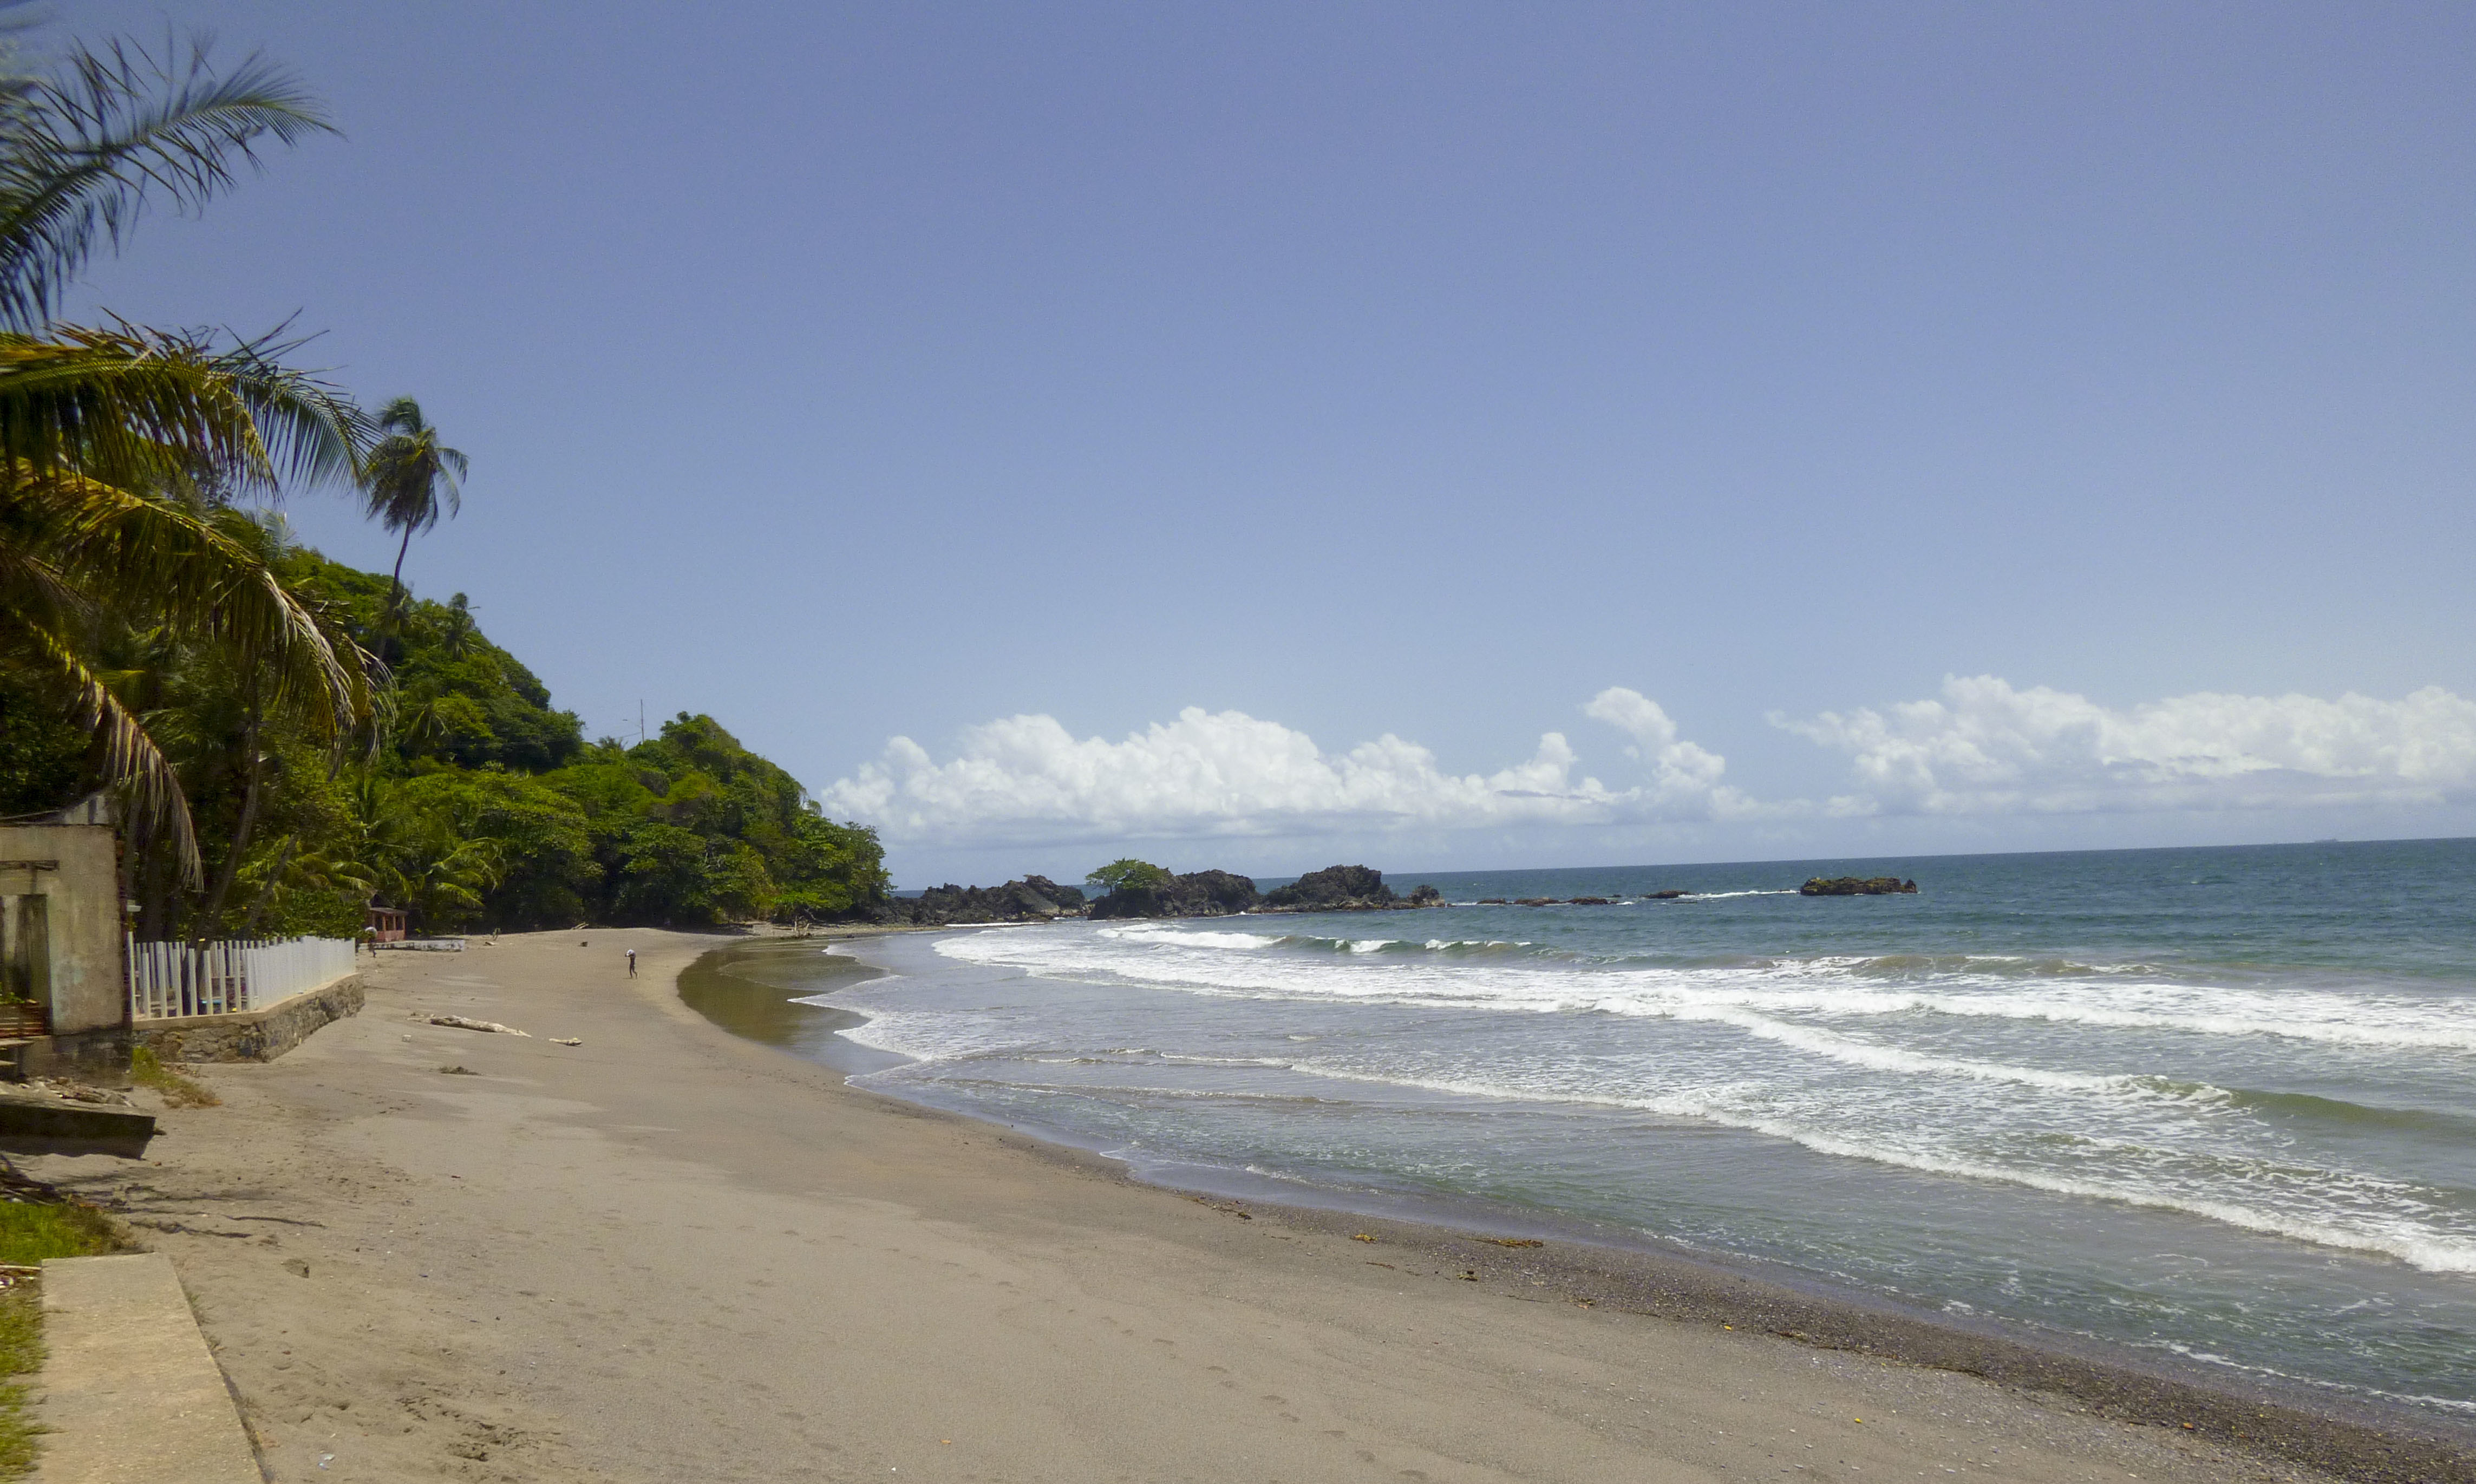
(97, 426)
(407, 479)
(88, 423)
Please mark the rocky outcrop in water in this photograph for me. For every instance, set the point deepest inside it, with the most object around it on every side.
(1332, 889)
(1196, 894)
(1426, 897)
(1031, 900)
(1857, 887)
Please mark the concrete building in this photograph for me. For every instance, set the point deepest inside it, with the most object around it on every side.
(61, 929)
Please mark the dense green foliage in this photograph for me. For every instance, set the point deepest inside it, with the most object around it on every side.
(1121, 875)
(472, 802)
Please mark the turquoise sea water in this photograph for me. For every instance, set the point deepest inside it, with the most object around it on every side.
(2218, 1102)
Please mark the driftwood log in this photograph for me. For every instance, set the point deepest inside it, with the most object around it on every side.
(462, 1023)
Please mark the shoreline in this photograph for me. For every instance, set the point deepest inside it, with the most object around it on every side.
(2285, 1418)
(670, 1251)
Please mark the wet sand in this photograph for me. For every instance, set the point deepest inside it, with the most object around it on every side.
(674, 1253)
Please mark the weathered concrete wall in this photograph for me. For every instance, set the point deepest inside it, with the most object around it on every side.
(75, 869)
(254, 1036)
(97, 1056)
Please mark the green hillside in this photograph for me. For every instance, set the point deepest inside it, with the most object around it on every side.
(469, 799)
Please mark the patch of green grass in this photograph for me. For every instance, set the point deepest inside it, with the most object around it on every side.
(30, 1232)
(21, 1353)
(147, 1070)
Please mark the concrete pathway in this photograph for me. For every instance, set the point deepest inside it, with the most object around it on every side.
(130, 1391)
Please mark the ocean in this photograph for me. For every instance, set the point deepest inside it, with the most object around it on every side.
(2214, 1103)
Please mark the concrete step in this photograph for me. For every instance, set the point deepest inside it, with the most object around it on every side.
(129, 1390)
(31, 1123)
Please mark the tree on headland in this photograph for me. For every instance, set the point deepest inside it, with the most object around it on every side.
(409, 479)
(1121, 875)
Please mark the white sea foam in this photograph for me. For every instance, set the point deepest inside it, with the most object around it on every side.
(1176, 937)
(1826, 987)
(2390, 1233)
(924, 1036)
(1881, 1057)
(1723, 895)
(1862, 1064)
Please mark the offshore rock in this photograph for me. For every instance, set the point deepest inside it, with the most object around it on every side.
(1034, 899)
(1333, 889)
(1196, 894)
(1669, 894)
(1857, 887)
(1424, 896)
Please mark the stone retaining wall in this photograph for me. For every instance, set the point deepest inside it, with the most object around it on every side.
(253, 1035)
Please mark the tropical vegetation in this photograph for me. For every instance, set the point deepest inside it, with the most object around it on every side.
(1129, 872)
(290, 739)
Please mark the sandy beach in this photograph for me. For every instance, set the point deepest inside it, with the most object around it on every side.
(668, 1253)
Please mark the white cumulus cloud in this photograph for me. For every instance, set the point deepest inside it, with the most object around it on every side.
(1224, 773)
(1681, 770)
(1984, 747)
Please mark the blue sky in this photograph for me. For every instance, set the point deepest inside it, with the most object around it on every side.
(1972, 427)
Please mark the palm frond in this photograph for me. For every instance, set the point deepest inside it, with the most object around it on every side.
(146, 557)
(82, 153)
(131, 762)
(150, 410)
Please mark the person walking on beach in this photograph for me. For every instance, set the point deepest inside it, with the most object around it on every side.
(631, 963)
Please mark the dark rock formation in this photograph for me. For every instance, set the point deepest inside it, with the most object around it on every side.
(1332, 889)
(1535, 901)
(1857, 887)
(1589, 901)
(1493, 901)
(1669, 895)
(1034, 899)
(1427, 897)
(1196, 894)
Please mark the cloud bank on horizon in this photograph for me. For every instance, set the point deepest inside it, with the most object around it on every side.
(1985, 747)
(1981, 748)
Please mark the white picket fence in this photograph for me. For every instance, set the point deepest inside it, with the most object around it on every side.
(168, 980)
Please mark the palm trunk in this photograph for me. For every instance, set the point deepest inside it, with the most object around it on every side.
(266, 893)
(395, 578)
(211, 914)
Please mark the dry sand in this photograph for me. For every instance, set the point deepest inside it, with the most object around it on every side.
(670, 1254)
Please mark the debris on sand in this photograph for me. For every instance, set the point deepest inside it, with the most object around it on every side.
(462, 1023)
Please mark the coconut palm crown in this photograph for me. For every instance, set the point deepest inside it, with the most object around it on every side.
(408, 478)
